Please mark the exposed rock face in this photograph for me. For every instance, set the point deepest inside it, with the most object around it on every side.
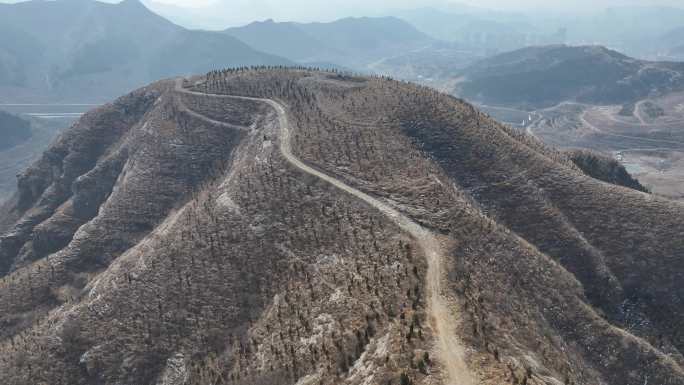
(334, 230)
(54, 196)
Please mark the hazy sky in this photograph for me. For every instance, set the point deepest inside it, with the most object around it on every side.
(236, 12)
(293, 5)
(378, 4)
(222, 13)
(500, 4)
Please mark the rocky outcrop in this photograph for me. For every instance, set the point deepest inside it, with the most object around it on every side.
(53, 199)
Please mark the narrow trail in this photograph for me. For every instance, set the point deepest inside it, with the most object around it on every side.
(184, 108)
(451, 353)
(637, 112)
(210, 120)
(532, 124)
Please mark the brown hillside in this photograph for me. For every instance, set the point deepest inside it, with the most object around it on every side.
(272, 226)
(605, 168)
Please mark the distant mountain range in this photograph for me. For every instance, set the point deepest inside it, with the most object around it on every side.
(548, 75)
(350, 42)
(379, 45)
(634, 30)
(77, 49)
(486, 30)
(637, 31)
(89, 51)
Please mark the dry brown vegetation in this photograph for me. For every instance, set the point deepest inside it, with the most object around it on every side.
(157, 247)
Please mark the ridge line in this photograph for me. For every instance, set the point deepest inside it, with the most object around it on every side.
(450, 350)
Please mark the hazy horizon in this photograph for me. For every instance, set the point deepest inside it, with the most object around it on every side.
(219, 14)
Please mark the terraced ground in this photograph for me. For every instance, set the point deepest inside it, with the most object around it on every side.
(647, 138)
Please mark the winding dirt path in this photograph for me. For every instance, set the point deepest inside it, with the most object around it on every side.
(637, 112)
(451, 353)
(592, 127)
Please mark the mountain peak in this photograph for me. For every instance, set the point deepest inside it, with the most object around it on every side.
(135, 5)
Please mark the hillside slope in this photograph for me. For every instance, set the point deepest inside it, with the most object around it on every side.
(545, 76)
(274, 226)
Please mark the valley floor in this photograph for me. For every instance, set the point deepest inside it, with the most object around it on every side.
(650, 146)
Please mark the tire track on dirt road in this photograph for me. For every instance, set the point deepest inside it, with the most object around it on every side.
(450, 351)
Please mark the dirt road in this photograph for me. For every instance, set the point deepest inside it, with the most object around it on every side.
(450, 351)
(637, 112)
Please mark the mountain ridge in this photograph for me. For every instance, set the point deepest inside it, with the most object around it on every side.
(353, 41)
(245, 268)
